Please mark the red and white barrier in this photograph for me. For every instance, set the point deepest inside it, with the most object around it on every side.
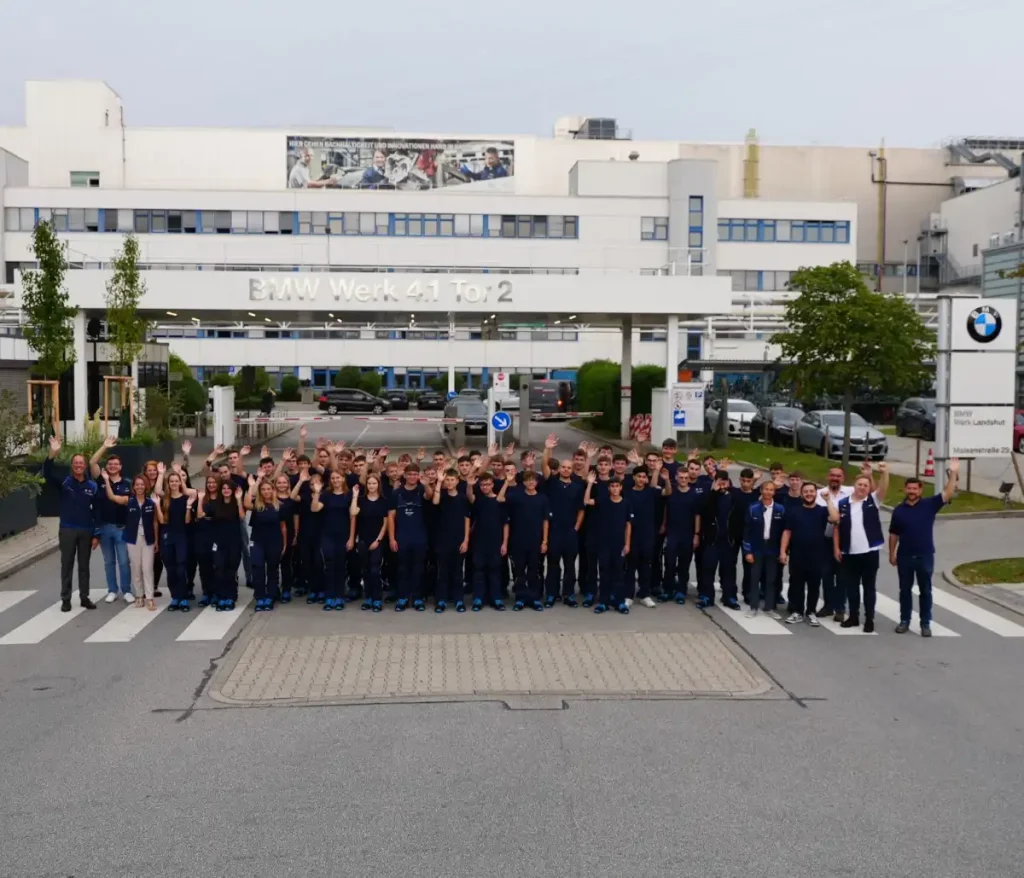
(550, 416)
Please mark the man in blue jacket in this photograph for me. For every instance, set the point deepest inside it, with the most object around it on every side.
(762, 545)
(77, 535)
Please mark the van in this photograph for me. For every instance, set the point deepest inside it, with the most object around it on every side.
(549, 397)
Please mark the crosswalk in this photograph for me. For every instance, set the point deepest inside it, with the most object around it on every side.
(43, 622)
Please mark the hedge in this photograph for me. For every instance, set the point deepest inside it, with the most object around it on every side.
(598, 384)
(289, 391)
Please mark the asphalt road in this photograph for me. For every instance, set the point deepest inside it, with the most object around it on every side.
(874, 756)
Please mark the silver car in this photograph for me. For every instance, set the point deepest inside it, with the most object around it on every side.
(740, 413)
(822, 431)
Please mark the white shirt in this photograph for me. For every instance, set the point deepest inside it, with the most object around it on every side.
(768, 521)
(299, 177)
(844, 491)
(859, 544)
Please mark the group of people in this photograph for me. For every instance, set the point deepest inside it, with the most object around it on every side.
(594, 527)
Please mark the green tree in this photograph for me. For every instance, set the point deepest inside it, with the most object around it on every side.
(348, 376)
(126, 331)
(844, 338)
(48, 324)
(289, 389)
(370, 382)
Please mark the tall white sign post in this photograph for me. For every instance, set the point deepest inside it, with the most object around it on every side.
(975, 371)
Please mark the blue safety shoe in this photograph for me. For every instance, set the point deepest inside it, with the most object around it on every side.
(499, 605)
(588, 600)
(367, 605)
(680, 598)
(418, 605)
(460, 606)
(321, 596)
(311, 598)
(599, 608)
(328, 605)
(478, 605)
(286, 597)
(401, 606)
(518, 605)
(549, 601)
(205, 601)
(184, 607)
(378, 606)
(570, 602)
(537, 605)
(440, 607)
(703, 602)
(732, 604)
(623, 608)
(173, 605)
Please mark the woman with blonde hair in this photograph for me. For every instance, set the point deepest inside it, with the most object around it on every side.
(174, 513)
(141, 534)
(268, 542)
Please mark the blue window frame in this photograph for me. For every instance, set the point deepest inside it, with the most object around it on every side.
(797, 231)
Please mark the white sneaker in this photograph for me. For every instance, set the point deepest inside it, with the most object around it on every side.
(751, 613)
(111, 597)
(771, 614)
(629, 602)
(129, 598)
(794, 618)
(812, 620)
(649, 602)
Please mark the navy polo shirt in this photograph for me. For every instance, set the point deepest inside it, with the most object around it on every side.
(488, 524)
(645, 510)
(611, 523)
(108, 511)
(807, 530)
(527, 514)
(451, 521)
(914, 525)
(565, 500)
(683, 507)
(77, 499)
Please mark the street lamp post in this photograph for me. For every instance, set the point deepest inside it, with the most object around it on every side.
(906, 253)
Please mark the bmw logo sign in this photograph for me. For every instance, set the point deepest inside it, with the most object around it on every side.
(984, 324)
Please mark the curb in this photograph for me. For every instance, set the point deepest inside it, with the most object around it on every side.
(28, 558)
(950, 579)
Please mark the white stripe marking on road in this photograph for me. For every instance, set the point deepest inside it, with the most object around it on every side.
(211, 625)
(985, 619)
(760, 624)
(9, 598)
(886, 606)
(128, 623)
(43, 624)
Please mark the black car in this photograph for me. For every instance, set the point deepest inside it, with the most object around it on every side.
(916, 417)
(774, 424)
(398, 398)
(346, 399)
(430, 399)
(472, 412)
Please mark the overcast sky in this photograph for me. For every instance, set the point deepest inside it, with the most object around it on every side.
(799, 71)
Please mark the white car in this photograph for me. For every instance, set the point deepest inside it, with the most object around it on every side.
(740, 413)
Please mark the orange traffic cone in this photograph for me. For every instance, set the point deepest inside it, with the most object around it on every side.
(929, 465)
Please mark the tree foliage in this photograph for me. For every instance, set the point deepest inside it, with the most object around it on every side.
(843, 338)
(348, 376)
(370, 382)
(48, 313)
(125, 329)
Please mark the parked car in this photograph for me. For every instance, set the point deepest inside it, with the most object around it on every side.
(916, 417)
(398, 398)
(473, 413)
(774, 424)
(740, 413)
(472, 392)
(507, 403)
(1018, 430)
(430, 399)
(822, 431)
(345, 399)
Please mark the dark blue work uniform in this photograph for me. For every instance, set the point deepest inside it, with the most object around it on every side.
(806, 555)
(646, 524)
(286, 508)
(527, 514)
(719, 545)
(612, 519)
(764, 570)
(369, 524)
(452, 515)
(591, 548)
(565, 500)
(407, 506)
(202, 541)
(333, 537)
(488, 520)
(265, 552)
(915, 553)
(174, 546)
(227, 546)
(682, 509)
(311, 565)
(78, 525)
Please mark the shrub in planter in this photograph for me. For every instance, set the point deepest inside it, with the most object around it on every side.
(18, 483)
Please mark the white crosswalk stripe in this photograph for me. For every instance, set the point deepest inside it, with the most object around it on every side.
(47, 622)
(972, 613)
(128, 624)
(890, 609)
(830, 624)
(759, 624)
(211, 625)
(9, 598)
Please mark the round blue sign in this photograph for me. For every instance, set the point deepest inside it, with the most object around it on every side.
(452, 394)
(501, 421)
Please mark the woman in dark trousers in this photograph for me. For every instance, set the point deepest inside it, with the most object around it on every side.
(288, 513)
(151, 471)
(336, 538)
(370, 510)
(174, 512)
(269, 541)
(227, 542)
(203, 540)
(77, 535)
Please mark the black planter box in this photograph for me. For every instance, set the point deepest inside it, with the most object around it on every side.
(17, 512)
(133, 458)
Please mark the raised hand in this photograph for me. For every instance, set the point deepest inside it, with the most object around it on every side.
(252, 480)
(264, 452)
(492, 449)
(105, 475)
(219, 450)
(186, 448)
(303, 476)
(865, 468)
(551, 441)
(383, 451)
(244, 451)
(633, 457)
(471, 480)
(317, 484)
(421, 452)
(289, 455)
(110, 442)
(591, 478)
(303, 432)
(176, 467)
(725, 463)
(339, 446)
(55, 445)
(510, 449)
(355, 491)
(954, 465)
(757, 475)
(883, 467)
(161, 468)
(530, 459)
(238, 493)
(462, 452)
(321, 444)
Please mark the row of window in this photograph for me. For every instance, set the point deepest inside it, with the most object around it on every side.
(654, 228)
(797, 231)
(379, 334)
(291, 222)
(757, 281)
(895, 269)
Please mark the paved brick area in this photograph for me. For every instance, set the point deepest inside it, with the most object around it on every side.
(447, 666)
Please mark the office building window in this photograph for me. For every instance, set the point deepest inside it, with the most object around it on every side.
(654, 228)
(797, 231)
(85, 179)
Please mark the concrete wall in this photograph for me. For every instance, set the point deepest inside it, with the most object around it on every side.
(972, 219)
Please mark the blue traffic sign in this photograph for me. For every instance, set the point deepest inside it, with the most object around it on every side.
(382, 370)
(452, 394)
(501, 421)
